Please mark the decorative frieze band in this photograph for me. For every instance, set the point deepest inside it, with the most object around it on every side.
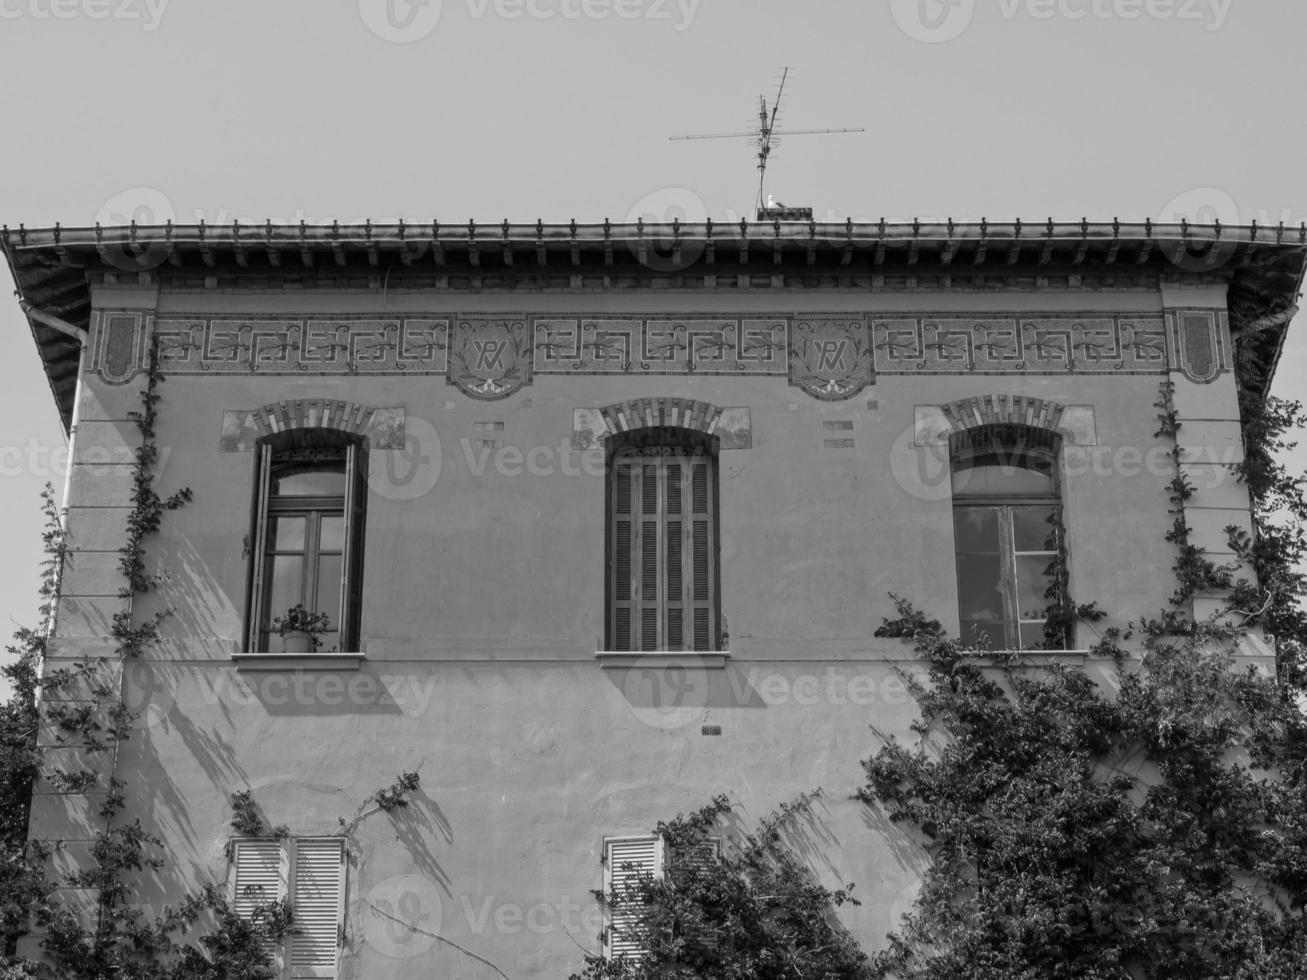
(830, 356)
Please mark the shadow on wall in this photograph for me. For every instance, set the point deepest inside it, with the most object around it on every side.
(203, 620)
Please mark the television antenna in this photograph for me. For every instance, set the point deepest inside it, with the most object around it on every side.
(766, 134)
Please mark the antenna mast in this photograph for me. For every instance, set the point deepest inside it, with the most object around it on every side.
(765, 129)
(764, 137)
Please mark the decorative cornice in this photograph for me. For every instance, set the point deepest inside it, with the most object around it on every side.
(53, 267)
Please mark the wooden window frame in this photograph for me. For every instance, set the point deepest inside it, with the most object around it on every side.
(352, 506)
(1016, 446)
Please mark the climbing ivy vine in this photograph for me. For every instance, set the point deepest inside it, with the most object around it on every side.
(117, 939)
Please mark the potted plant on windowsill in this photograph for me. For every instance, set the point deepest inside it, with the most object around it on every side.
(299, 629)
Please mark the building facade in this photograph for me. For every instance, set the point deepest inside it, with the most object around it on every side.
(602, 520)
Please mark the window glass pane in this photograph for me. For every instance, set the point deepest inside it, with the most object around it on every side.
(1032, 635)
(1033, 530)
(976, 529)
(285, 584)
(328, 598)
(974, 633)
(287, 533)
(980, 584)
(1002, 480)
(329, 642)
(315, 481)
(1033, 581)
(331, 533)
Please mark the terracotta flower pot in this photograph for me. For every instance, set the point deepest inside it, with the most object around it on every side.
(297, 641)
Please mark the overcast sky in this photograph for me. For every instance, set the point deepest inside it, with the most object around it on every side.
(553, 109)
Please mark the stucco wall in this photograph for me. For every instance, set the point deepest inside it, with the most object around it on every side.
(484, 606)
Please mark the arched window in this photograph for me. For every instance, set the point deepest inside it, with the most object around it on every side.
(1007, 530)
(662, 541)
(307, 540)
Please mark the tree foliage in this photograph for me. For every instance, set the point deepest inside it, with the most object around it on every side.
(754, 910)
(1160, 832)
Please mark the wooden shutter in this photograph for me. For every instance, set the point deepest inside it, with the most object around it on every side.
(626, 861)
(318, 903)
(636, 560)
(663, 584)
(620, 560)
(258, 544)
(259, 875)
(701, 597)
(694, 862)
(351, 579)
(703, 855)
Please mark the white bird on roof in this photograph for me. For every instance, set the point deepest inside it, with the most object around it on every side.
(773, 203)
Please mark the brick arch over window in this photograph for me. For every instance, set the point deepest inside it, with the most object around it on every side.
(1037, 413)
(378, 428)
(934, 424)
(647, 413)
(595, 426)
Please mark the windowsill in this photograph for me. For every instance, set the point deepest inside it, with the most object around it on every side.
(706, 659)
(1040, 656)
(298, 661)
